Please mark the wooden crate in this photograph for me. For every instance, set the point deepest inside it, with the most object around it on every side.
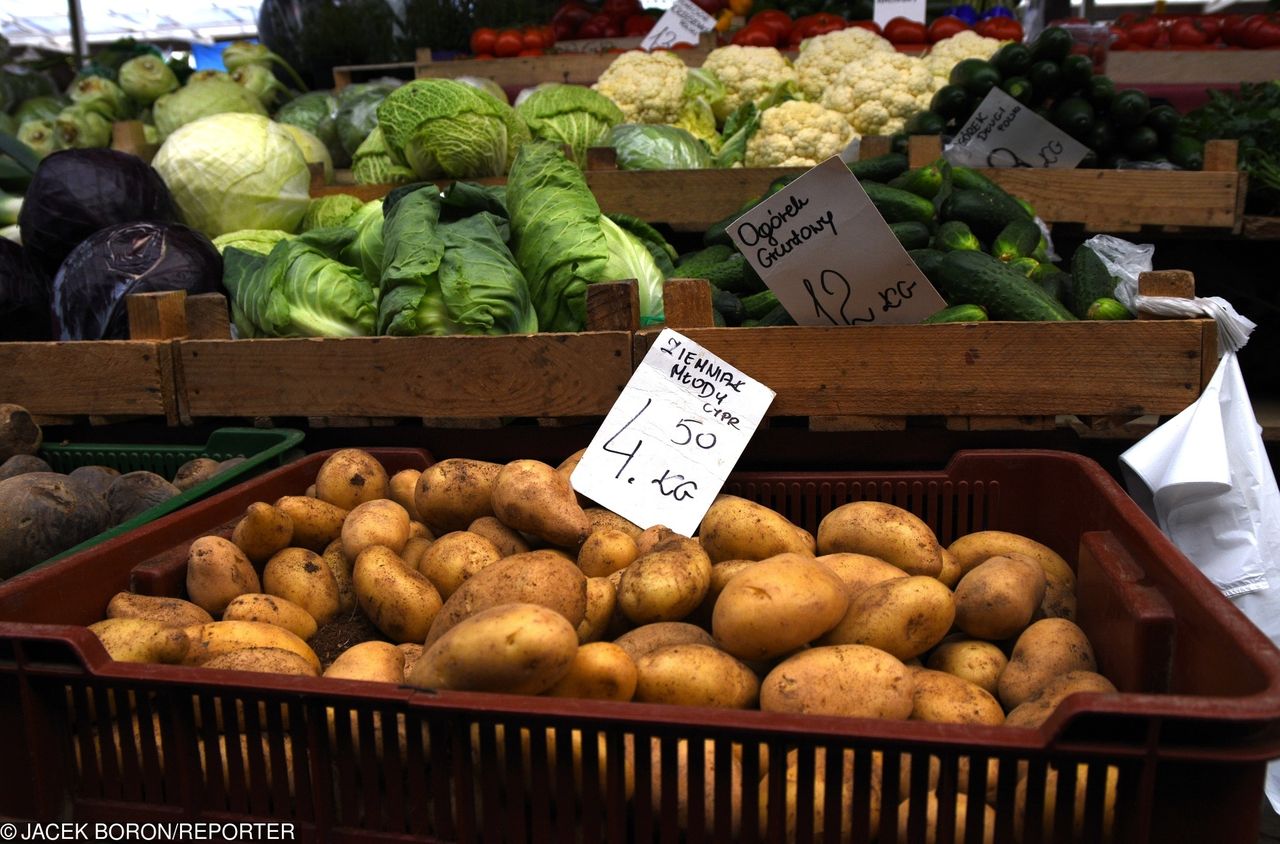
(103, 380)
(1192, 67)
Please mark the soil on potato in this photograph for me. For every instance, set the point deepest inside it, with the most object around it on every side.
(341, 633)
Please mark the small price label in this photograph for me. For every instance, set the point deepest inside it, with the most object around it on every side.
(672, 437)
(1005, 133)
(683, 23)
(887, 10)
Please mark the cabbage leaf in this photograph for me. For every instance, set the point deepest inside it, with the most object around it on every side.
(570, 114)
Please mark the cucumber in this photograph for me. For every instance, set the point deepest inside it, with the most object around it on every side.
(1025, 266)
(1053, 281)
(967, 178)
(718, 233)
(777, 315)
(728, 305)
(986, 213)
(957, 313)
(1090, 281)
(955, 236)
(912, 235)
(923, 181)
(718, 320)
(977, 278)
(880, 168)
(1107, 308)
(1016, 240)
(929, 261)
(757, 305)
(693, 264)
(898, 206)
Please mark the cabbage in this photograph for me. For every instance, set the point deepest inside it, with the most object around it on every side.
(235, 171)
(257, 241)
(202, 99)
(570, 114)
(702, 84)
(357, 114)
(317, 113)
(484, 83)
(328, 211)
(642, 146)
(443, 128)
(375, 164)
(147, 78)
(365, 251)
(312, 149)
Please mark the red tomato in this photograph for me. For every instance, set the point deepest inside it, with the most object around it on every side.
(1232, 31)
(777, 20)
(531, 37)
(868, 25)
(638, 24)
(945, 27)
(1144, 32)
(1211, 25)
(754, 35)
(904, 31)
(712, 7)
(1119, 39)
(1186, 32)
(600, 26)
(564, 29)
(621, 9)
(508, 43)
(1001, 28)
(482, 40)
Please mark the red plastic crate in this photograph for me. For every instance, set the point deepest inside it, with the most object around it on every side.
(1197, 716)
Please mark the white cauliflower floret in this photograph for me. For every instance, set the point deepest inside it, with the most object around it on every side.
(798, 134)
(748, 74)
(878, 93)
(949, 52)
(648, 87)
(823, 56)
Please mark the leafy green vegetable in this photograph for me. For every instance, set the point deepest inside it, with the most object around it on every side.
(257, 241)
(38, 108)
(376, 164)
(202, 99)
(80, 128)
(738, 129)
(365, 250)
(484, 83)
(261, 82)
(312, 149)
(643, 146)
(101, 96)
(357, 114)
(242, 54)
(1251, 115)
(329, 211)
(40, 135)
(570, 114)
(146, 78)
(316, 112)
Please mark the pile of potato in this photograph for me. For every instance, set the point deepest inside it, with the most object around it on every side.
(490, 577)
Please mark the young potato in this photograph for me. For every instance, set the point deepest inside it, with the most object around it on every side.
(931, 821)
(532, 497)
(381, 522)
(141, 640)
(301, 576)
(662, 634)
(513, 648)
(606, 551)
(566, 466)
(882, 530)
(903, 616)
(400, 601)
(710, 776)
(412, 653)
(997, 598)
(721, 573)
(415, 549)
(599, 671)
(859, 571)
(454, 558)
(350, 477)
(341, 568)
(817, 809)
(944, 698)
(1047, 649)
(377, 662)
(272, 610)
(217, 571)
(417, 530)
(506, 540)
(651, 537)
(695, 675)
(952, 571)
(1036, 709)
(1086, 777)
(981, 663)
(207, 641)
(1060, 579)
(602, 599)
(403, 490)
(854, 680)
(454, 493)
(776, 606)
(316, 523)
(738, 529)
(264, 530)
(601, 518)
(264, 661)
(666, 584)
(171, 612)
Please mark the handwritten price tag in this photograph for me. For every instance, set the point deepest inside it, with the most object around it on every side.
(820, 244)
(683, 23)
(672, 437)
(1005, 133)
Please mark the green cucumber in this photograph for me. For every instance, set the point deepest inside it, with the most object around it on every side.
(692, 264)
(957, 313)
(923, 181)
(912, 235)
(929, 261)
(1053, 281)
(986, 213)
(776, 315)
(1090, 281)
(728, 305)
(1107, 308)
(977, 278)
(1016, 240)
(955, 236)
(898, 206)
(1026, 266)
(757, 305)
(879, 168)
(966, 178)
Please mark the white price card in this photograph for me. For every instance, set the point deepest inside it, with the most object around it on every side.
(821, 245)
(887, 10)
(683, 23)
(1005, 133)
(672, 437)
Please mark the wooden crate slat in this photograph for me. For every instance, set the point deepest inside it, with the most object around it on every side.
(1192, 67)
(705, 196)
(579, 68)
(438, 377)
(89, 378)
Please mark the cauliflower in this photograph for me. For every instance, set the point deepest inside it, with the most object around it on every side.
(648, 87)
(748, 74)
(948, 52)
(823, 56)
(878, 93)
(798, 134)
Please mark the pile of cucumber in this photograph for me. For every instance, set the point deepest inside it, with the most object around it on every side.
(979, 246)
(1116, 125)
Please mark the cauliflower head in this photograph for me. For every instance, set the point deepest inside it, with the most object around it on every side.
(949, 52)
(748, 74)
(878, 93)
(823, 56)
(648, 87)
(798, 134)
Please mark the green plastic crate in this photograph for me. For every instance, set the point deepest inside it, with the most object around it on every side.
(262, 448)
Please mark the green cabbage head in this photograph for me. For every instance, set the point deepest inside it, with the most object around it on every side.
(257, 241)
(201, 99)
(570, 114)
(235, 171)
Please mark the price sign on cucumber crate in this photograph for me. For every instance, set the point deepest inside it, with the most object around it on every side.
(824, 249)
(1005, 133)
(673, 436)
(683, 23)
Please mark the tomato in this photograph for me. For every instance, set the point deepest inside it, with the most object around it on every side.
(564, 29)
(531, 38)
(754, 35)
(508, 43)
(1143, 33)
(1211, 25)
(1232, 30)
(1119, 39)
(868, 25)
(1000, 28)
(600, 26)
(742, 8)
(482, 40)
(638, 24)
(620, 9)
(712, 7)
(1262, 31)
(1186, 32)
(904, 31)
(777, 20)
(945, 27)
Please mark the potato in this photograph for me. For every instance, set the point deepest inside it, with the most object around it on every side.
(206, 641)
(341, 567)
(952, 571)
(513, 648)
(506, 540)
(399, 601)
(711, 775)
(944, 698)
(859, 571)
(264, 530)
(402, 488)
(532, 497)
(454, 558)
(43, 514)
(141, 640)
(301, 576)
(545, 577)
(997, 599)
(738, 529)
(271, 610)
(602, 599)
(651, 537)
(930, 829)
(349, 477)
(1047, 649)
(875, 528)
(903, 616)
(854, 680)
(601, 518)
(415, 549)
(606, 551)
(454, 493)
(19, 433)
(218, 571)
(171, 612)
(316, 523)
(22, 464)
(721, 573)
(1036, 709)
(417, 530)
(666, 584)
(777, 605)
(1085, 777)
(381, 522)
(377, 662)
(195, 472)
(1060, 592)
(565, 467)
(412, 653)
(97, 478)
(817, 808)
(650, 637)
(981, 663)
(599, 671)
(264, 661)
(695, 675)
(135, 493)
